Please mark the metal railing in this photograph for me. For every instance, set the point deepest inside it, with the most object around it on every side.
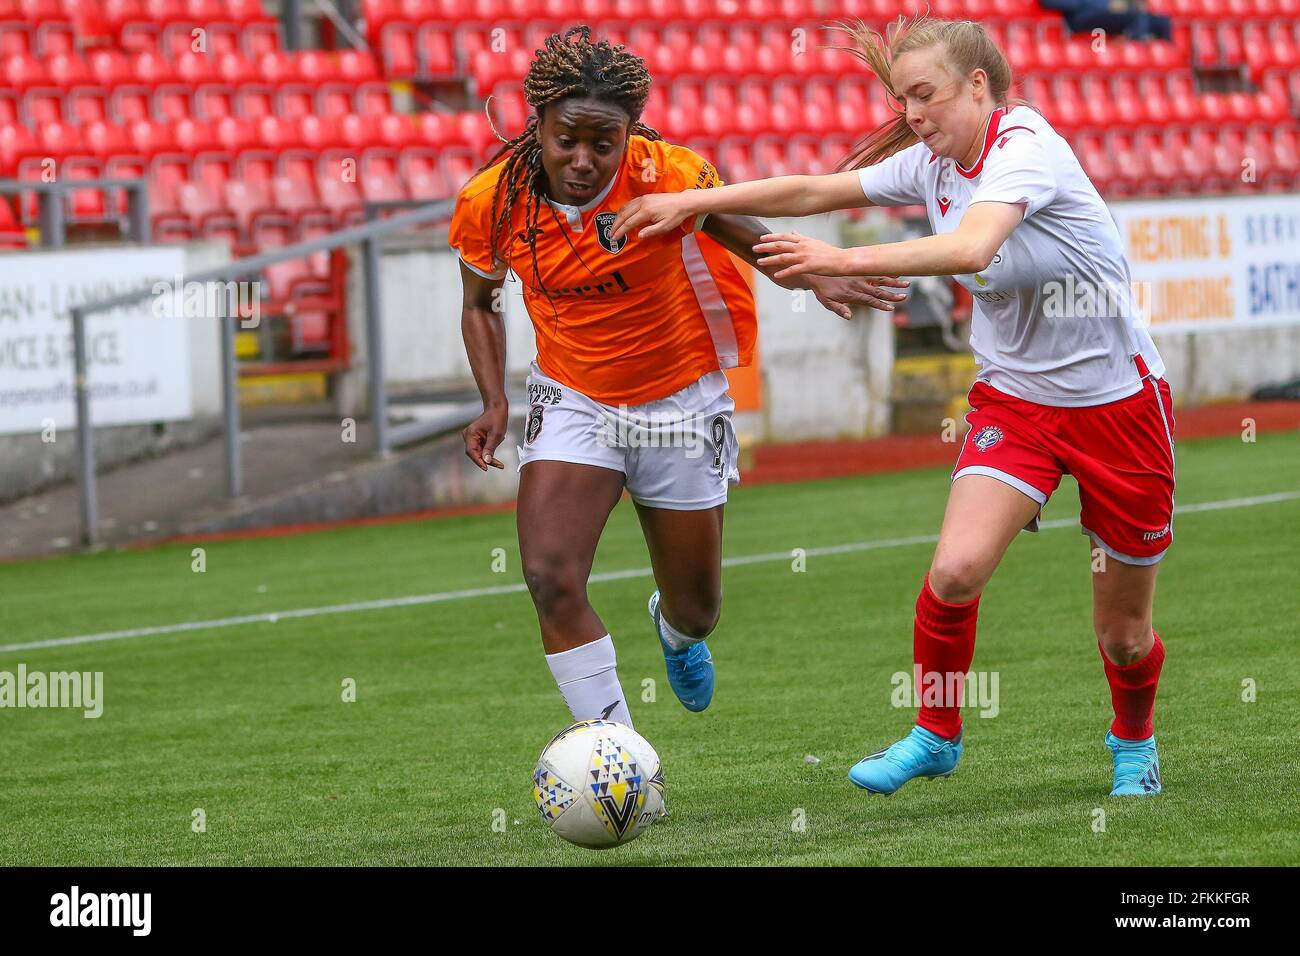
(368, 234)
(50, 201)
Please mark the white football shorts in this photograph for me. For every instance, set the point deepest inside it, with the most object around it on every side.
(677, 453)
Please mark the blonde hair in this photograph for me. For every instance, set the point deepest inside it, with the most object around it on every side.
(967, 47)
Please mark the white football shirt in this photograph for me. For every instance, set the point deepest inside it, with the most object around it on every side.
(1055, 321)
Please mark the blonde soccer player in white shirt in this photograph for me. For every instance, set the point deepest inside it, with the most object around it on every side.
(1069, 379)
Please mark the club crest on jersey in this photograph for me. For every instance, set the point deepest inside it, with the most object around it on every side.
(605, 233)
(533, 428)
(986, 437)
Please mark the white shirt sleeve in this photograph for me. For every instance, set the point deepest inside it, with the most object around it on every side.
(896, 181)
(1018, 171)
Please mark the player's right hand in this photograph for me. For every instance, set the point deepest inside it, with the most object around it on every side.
(654, 215)
(483, 435)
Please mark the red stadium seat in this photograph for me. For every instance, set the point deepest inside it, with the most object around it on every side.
(420, 168)
(339, 194)
(165, 11)
(109, 68)
(259, 38)
(314, 66)
(245, 11)
(203, 205)
(214, 101)
(172, 103)
(153, 69)
(23, 71)
(380, 182)
(374, 98)
(42, 105)
(294, 102)
(398, 131)
(233, 68)
(1231, 44)
(118, 12)
(276, 67)
(234, 134)
(278, 134)
(1205, 45)
(254, 101)
(356, 66)
(61, 140)
(205, 11)
(397, 44)
(319, 133)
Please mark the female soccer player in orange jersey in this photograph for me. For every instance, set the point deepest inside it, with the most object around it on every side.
(1065, 387)
(632, 335)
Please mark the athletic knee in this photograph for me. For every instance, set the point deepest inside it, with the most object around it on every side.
(957, 579)
(556, 585)
(1125, 638)
(695, 618)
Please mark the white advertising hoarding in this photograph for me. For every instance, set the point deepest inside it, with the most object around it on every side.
(1225, 262)
(138, 363)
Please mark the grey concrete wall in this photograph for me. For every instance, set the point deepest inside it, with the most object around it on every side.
(1204, 367)
(28, 464)
(822, 377)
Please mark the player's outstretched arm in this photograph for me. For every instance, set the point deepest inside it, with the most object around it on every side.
(483, 329)
(839, 294)
(657, 213)
(971, 248)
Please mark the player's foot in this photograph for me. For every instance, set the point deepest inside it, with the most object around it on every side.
(690, 670)
(919, 754)
(1137, 766)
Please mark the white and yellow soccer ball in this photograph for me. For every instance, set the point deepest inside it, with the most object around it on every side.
(598, 784)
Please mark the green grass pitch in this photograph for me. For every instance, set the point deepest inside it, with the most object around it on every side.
(454, 701)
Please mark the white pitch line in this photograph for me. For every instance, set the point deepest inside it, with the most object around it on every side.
(272, 617)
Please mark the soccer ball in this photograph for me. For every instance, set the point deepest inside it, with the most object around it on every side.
(598, 784)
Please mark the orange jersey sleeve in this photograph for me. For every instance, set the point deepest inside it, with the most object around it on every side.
(470, 233)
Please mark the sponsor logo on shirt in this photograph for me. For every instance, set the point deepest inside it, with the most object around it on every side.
(539, 394)
(614, 283)
(944, 205)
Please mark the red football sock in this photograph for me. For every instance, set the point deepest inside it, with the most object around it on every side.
(1133, 691)
(943, 643)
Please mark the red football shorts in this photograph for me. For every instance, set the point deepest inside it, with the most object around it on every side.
(1120, 453)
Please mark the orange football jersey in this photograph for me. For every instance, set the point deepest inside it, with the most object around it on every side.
(626, 322)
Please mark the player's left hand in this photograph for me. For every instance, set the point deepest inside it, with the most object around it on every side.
(798, 255)
(840, 293)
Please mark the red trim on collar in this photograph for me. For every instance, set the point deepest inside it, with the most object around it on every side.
(989, 137)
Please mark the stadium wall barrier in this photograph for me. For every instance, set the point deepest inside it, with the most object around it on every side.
(163, 384)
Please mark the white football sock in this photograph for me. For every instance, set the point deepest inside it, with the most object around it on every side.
(588, 679)
(673, 637)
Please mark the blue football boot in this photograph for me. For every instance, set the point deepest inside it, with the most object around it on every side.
(1137, 766)
(919, 754)
(690, 670)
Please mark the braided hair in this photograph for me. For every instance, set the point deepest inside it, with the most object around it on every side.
(568, 66)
